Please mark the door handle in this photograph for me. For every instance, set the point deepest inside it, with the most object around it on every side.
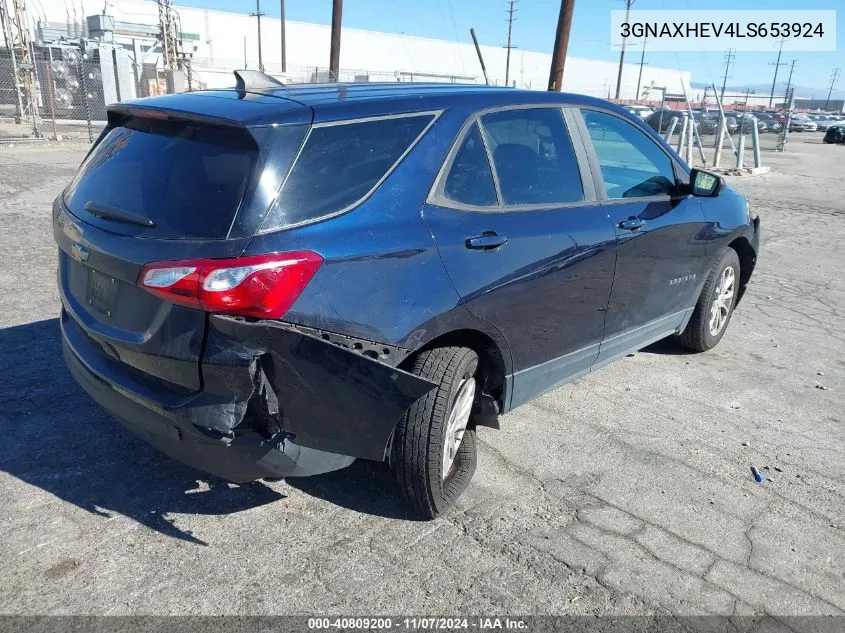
(631, 224)
(486, 241)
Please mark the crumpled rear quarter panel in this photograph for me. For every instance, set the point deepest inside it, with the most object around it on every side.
(321, 395)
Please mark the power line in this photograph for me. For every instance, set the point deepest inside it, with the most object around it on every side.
(833, 77)
(777, 64)
(511, 12)
(730, 58)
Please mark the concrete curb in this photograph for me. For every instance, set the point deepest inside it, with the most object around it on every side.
(744, 171)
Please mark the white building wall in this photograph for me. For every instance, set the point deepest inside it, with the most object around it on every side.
(224, 36)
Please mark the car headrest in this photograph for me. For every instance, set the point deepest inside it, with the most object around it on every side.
(519, 162)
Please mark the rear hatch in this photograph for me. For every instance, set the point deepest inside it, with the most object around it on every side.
(176, 178)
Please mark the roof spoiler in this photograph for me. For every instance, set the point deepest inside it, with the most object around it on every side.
(117, 112)
(255, 80)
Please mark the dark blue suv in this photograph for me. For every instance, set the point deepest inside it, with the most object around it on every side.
(272, 281)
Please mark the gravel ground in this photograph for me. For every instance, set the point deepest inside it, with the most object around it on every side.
(626, 492)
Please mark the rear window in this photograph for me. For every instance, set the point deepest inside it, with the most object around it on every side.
(340, 164)
(188, 179)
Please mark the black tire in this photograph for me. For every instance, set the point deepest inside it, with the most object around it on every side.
(697, 335)
(419, 436)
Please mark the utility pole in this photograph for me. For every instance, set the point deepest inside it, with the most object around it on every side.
(564, 22)
(628, 4)
(511, 3)
(789, 81)
(777, 64)
(834, 76)
(8, 37)
(258, 13)
(334, 52)
(730, 57)
(24, 66)
(477, 52)
(284, 53)
(640, 77)
(167, 34)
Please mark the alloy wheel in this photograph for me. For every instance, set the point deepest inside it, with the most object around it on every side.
(457, 424)
(721, 306)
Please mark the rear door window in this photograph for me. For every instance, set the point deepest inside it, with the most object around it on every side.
(533, 157)
(470, 180)
(340, 164)
(188, 180)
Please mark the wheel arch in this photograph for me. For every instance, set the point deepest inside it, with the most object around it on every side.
(747, 262)
(493, 360)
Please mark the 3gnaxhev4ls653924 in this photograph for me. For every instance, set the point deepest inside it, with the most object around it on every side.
(273, 281)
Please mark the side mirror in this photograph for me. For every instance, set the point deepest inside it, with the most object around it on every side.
(704, 183)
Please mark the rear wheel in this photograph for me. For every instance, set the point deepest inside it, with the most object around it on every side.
(715, 305)
(434, 453)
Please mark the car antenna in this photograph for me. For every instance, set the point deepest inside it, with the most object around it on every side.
(255, 80)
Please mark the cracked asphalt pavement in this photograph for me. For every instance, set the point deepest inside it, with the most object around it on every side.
(627, 492)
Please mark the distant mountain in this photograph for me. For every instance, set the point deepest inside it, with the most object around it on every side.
(780, 89)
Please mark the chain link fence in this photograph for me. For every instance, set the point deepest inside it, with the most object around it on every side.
(61, 89)
(65, 91)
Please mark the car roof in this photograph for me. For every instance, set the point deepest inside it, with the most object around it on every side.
(338, 101)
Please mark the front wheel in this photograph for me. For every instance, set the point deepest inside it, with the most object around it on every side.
(715, 305)
(433, 453)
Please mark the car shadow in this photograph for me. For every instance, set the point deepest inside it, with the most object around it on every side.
(57, 438)
(667, 347)
(365, 486)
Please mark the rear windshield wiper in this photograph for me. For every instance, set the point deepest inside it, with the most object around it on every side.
(118, 215)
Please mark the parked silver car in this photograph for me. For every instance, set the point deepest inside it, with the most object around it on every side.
(802, 123)
(822, 121)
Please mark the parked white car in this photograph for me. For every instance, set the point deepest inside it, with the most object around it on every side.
(640, 111)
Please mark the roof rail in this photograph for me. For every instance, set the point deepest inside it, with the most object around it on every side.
(255, 80)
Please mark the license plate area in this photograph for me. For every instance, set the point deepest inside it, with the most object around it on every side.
(102, 292)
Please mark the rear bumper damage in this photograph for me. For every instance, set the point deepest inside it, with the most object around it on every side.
(276, 402)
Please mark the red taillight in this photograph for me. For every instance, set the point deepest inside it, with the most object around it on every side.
(262, 286)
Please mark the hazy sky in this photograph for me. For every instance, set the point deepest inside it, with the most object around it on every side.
(535, 26)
